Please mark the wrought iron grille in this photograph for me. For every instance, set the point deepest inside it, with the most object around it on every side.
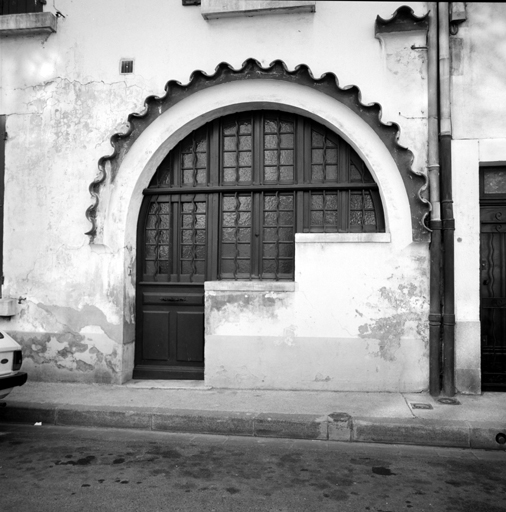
(239, 189)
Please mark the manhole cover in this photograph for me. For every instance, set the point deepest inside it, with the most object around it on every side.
(420, 406)
(448, 401)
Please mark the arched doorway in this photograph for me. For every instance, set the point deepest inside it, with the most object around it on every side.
(225, 204)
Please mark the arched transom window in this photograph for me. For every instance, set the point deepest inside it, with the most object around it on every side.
(228, 199)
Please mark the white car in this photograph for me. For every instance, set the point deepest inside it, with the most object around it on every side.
(10, 364)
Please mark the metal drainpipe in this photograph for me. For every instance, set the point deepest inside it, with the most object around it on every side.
(445, 141)
(435, 216)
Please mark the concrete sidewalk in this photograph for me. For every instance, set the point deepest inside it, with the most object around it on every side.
(179, 406)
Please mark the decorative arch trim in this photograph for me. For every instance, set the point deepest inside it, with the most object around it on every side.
(328, 84)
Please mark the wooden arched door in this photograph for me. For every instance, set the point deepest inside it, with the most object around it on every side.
(226, 204)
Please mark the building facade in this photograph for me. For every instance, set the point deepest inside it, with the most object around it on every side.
(265, 215)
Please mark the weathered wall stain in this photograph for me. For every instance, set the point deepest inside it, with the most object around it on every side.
(75, 319)
(410, 311)
(227, 307)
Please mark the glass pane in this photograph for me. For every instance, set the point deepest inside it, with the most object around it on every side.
(271, 157)
(285, 218)
(229, 175)
(331, 156)
(317, 156)
(355, 175)
(200, 267)
(245, 174)
(244, 127)
(271, 141)
(271, 173)
(245, 158)
(331, 201)
(286, 157)
(286, 127)
(270, 219)
(285, 267)
(370, 218)
(270, 126)
(269, 250)
(245, 143)
(269, 266)
(270, 234)
(270, 202)
(331, 172)
(331, 218)
(150, 252)
(286, 250)
(229, 143)
(317, 173)
(163, 267)
(244, 250)
(244, 234)
(287, 140)
(163, 252)
(228, 250)
(200, 237)
(186, 267)
(316, 201)
(228, 234)
(356, 201)
(356, 217)
(286, 234)
(244, 267)
(230, 159)
(286, 202)
(494, 181)
(316, 139)
(286, 173)
(317, 218)
(368, 201)
(227, 266)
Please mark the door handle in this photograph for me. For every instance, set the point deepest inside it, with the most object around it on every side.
(173, 299)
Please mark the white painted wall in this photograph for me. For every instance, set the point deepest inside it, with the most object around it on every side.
(64, 98)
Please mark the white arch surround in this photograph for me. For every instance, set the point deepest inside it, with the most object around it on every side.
(121, 202)
(120, 206)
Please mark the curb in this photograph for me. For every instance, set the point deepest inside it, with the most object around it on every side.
(326, 427)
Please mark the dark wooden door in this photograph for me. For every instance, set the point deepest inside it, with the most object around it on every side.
(170, 291)
(493, 280)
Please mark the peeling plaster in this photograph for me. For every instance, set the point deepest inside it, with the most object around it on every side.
(409, 307)
(77, 320)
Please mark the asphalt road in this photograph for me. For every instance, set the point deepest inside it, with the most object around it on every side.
(67, 469)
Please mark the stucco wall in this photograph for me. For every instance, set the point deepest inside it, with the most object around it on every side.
(64, 97)
(356, 319)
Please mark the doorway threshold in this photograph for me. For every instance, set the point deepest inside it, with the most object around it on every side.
(167, 384)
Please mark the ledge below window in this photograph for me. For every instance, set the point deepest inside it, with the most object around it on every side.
(249, 286)
(211, 9)
(27, 24)
(339, 238)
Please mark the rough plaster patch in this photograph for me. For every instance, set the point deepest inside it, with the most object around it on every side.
(408, 314)
(77, 320)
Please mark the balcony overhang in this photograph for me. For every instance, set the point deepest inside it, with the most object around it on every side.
(27, 24)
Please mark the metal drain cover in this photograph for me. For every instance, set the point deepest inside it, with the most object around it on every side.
(420, 406)
(448, 401)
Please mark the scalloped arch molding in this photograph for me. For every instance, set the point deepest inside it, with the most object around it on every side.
(109, 165)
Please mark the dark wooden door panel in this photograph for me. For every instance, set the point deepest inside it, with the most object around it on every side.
(156, 333)
(190, 336)
(493, 278)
